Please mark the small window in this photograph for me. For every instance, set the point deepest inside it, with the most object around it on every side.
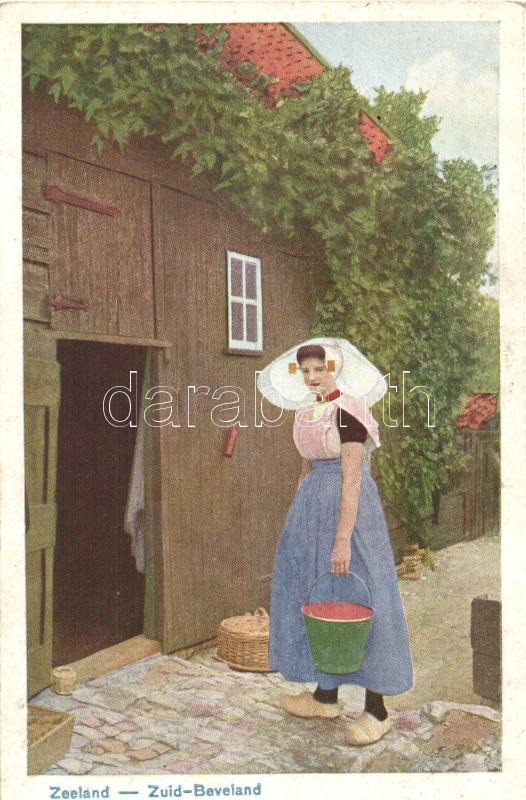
(245, 318)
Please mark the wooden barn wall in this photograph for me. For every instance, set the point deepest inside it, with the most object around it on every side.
(217, 520)
(225, 513)
(39, 342)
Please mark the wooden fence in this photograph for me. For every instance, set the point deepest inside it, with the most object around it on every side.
(468, 510)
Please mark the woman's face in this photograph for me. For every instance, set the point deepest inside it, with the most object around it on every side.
(316, 375)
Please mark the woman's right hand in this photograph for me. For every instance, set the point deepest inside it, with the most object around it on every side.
(341, 556)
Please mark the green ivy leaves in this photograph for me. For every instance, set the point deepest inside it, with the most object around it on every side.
(398, 248)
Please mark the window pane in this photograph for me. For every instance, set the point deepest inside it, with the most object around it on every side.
(237, 321)
(252, 323)
(250, 280)
(236, 277)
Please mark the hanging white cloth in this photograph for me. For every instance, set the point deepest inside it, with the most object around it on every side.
(134, 512)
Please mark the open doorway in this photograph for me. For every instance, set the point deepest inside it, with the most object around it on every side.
(98, 597)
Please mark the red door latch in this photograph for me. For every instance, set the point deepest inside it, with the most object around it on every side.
(230, 442)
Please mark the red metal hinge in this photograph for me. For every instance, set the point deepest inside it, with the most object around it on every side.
(63, 303)
(58, 196)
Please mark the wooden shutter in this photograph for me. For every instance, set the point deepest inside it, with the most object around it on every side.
(41, 401)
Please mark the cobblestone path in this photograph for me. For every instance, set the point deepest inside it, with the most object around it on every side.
(168, 715)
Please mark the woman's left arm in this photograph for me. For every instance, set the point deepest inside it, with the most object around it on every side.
(351, 460)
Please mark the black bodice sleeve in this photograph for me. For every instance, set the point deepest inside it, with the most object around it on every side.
(349, 428)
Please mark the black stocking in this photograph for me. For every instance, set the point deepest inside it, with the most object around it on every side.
(374, 704)
(325, 695)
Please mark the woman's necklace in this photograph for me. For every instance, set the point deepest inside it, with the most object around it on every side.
(326, 398)
(322, 399)
(331, 396)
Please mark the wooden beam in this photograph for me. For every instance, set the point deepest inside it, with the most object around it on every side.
(124, 653)
(111, 658)
(110, 339)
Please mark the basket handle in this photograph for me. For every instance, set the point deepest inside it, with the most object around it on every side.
(328, 572)
(260, 612)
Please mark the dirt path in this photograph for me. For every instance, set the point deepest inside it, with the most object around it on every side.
(438, 613)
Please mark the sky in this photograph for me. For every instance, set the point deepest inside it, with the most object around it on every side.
(455, 62)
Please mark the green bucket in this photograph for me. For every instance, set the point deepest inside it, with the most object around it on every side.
(338, 632)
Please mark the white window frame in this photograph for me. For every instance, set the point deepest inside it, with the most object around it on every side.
(243, 344)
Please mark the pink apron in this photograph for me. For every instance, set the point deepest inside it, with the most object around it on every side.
(315, 427)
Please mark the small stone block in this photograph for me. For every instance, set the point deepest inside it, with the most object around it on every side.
(161, 748)
(112, 745)
(126, 726)
(143, 755)
(74, 766)
(85, 718)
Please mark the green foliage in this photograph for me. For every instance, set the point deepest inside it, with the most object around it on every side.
(487, 348)
(403, 243)
(402, 112)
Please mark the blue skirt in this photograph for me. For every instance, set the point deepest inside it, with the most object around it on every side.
(303, 554)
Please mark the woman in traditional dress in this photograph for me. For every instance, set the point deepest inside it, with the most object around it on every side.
(335, 522)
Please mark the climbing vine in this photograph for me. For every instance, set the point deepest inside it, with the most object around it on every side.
(403, 243)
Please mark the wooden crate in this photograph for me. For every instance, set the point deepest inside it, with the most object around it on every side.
(486, 625)
(487, 675)
(486, 645)
(48, 737)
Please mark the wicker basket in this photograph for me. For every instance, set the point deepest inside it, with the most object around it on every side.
(243, 641)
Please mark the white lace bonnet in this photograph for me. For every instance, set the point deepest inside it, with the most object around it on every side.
(281, 382)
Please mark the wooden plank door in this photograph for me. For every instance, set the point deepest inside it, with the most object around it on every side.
(201, 547)
(100, 249)
(41, 403)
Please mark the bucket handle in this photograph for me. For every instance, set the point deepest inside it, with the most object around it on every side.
(328, 572)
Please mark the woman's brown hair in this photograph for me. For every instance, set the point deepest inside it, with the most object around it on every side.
(310, 351)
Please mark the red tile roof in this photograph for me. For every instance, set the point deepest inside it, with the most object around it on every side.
(376, 138)
(478, 411)
(278, 52)
(274, 49)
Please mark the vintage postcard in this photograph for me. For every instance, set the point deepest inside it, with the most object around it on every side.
(262, 485)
